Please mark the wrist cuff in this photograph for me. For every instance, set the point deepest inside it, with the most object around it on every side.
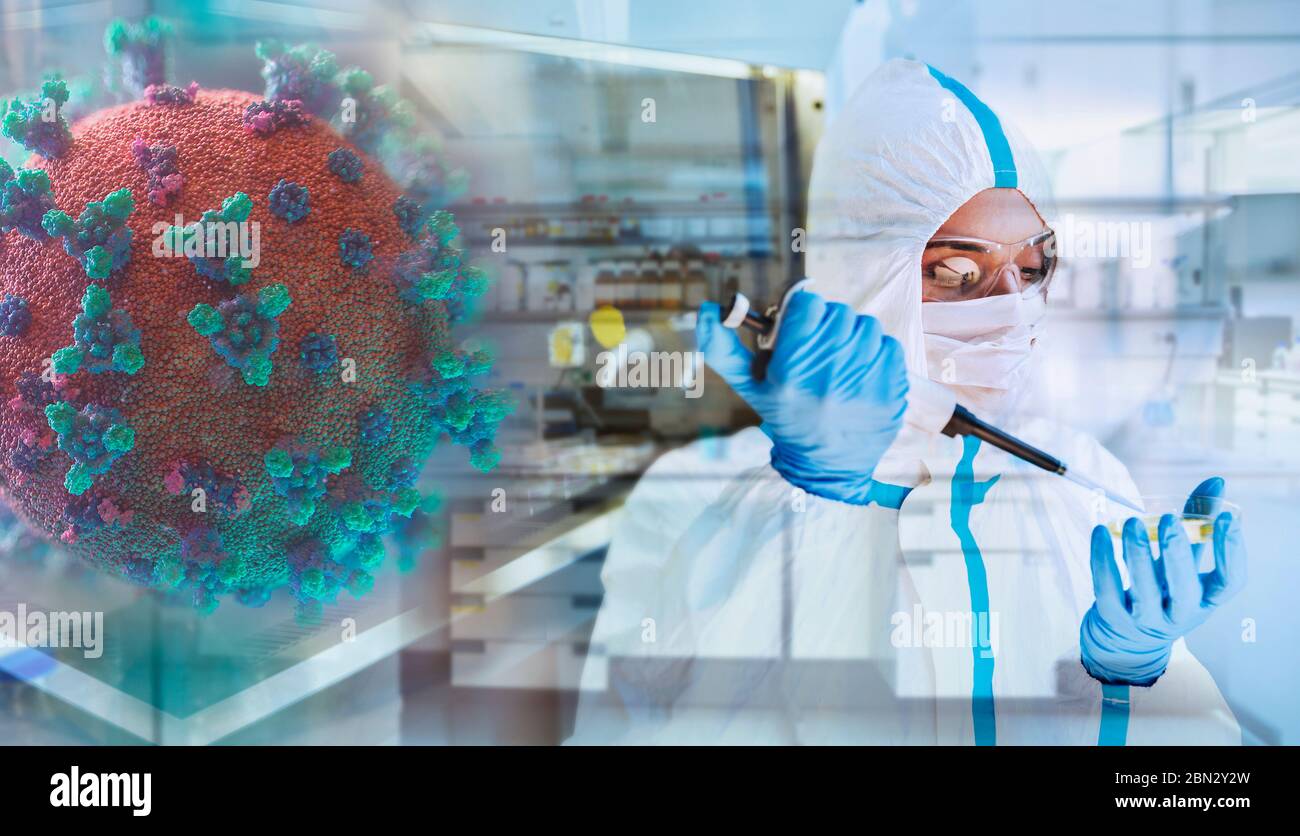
(853, 488)
(1111, 665)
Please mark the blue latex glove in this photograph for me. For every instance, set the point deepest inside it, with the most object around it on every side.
(1127, 635)
(832, 398)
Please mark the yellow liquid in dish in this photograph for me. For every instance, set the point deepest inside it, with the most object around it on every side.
(1198, 529)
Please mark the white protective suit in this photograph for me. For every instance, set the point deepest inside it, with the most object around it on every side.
(740, 610)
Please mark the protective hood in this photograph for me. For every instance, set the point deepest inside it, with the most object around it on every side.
(909, 148)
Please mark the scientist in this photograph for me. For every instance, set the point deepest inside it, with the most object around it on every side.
(804, 588)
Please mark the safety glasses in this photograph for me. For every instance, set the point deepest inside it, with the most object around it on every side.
(956, 268)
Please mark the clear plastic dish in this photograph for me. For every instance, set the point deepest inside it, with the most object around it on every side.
(1197, 516)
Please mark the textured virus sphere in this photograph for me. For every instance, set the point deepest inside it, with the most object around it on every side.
(191, 419)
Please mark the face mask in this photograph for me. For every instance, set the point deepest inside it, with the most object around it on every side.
(981, 348)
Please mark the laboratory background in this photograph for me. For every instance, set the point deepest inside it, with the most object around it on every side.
(612, 164)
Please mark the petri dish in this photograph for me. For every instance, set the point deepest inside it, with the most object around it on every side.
(1197, 516)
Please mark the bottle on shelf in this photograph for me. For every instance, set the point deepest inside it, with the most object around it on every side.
(561, 292)
(625, 286)
(671, 285)
(649, 274)
(730, 279)
(604, 285)
(628, 226)
(603, 230)
(695, 288)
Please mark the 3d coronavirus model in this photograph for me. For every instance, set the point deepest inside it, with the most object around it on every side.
(226, 333)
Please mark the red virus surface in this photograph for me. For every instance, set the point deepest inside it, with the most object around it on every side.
(297, 465)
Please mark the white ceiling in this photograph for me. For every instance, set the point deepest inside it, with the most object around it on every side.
(786, 33)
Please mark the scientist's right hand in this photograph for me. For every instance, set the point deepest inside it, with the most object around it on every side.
(833, 396)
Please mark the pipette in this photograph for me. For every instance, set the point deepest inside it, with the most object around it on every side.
(931, 407)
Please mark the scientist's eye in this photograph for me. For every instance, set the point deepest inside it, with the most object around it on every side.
(1039, 270)
(956, 271)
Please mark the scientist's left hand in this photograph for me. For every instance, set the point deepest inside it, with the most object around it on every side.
(1127, 635)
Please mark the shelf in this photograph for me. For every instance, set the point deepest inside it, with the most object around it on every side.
(565, 209)
(1184, 312)
(476, 242)
(629, 315)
